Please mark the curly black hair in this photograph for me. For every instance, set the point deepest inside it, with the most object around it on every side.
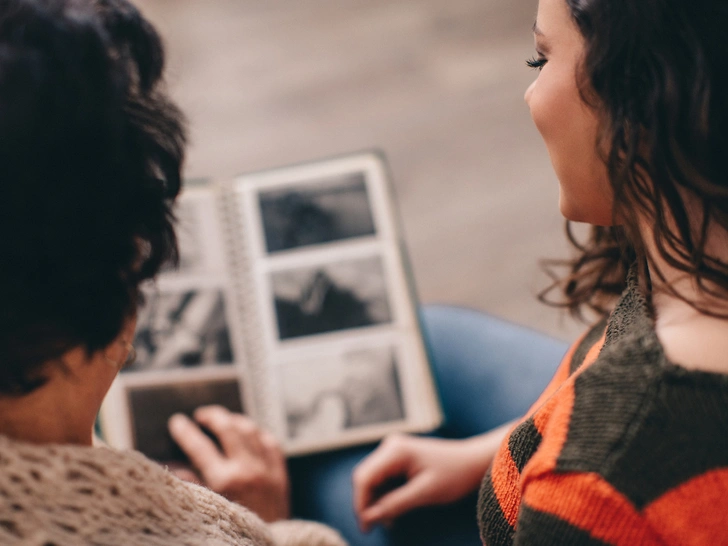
(654, 72)
(91, 150)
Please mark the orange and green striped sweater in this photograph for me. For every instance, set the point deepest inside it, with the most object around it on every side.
(623, 448)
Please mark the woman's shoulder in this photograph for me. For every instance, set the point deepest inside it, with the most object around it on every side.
(73, 494)
(68, 495)
(643, 424)
(632, 417)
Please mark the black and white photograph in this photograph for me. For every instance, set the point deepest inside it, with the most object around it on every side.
(330, 210)
(182, 329)
(331, 297)
(326, 396)
(151, 406)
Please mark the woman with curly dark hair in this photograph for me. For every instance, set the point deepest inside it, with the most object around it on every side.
(91, 150)
(628, 445)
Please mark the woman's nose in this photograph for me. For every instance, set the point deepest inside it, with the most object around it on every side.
(527, 95)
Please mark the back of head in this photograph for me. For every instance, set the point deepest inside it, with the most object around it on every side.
(90, 154)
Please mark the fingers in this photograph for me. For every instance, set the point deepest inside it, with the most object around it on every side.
(397, 502)
(241, 439)
(251, 468)
(238, 435)
(202, 451)
(389, 460)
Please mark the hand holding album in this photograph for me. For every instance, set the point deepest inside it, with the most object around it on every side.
(246, 464)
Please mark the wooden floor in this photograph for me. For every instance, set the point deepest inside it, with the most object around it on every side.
(437, 84)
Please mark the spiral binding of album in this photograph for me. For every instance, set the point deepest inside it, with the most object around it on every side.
(255, 384)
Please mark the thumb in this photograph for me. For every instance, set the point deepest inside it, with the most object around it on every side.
(411, 495)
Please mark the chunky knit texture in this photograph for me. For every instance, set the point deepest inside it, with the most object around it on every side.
(72, 495)
(623, 448)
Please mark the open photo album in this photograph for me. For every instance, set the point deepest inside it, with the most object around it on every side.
(293, 303)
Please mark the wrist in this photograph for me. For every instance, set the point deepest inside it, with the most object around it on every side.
(481, 449)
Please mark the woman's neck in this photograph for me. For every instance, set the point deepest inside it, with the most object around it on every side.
(63, 410)
(693, 336)
(44, 417)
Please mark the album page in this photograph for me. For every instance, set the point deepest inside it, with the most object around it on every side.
(334, 342)
(189, 342)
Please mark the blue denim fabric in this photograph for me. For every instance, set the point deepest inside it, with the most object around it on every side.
(488, 372)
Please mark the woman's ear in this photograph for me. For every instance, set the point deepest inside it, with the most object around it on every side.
(118, 352)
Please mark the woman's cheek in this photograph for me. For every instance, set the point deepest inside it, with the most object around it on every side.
(547, 110)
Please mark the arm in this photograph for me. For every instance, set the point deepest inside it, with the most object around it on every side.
(435, 471)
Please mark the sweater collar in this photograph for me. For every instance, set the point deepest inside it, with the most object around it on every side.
(631, 314)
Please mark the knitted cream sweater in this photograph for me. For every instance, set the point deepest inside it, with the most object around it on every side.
(72, 495)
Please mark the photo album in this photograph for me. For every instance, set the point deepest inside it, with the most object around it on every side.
(293, 303)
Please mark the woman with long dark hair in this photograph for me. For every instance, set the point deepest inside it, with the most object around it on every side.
(628, 444)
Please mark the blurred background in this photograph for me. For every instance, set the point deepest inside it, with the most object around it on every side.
(436, 84)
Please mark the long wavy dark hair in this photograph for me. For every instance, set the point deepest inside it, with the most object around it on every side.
(654, 71)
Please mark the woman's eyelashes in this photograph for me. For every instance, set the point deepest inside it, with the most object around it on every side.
(536, 63)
